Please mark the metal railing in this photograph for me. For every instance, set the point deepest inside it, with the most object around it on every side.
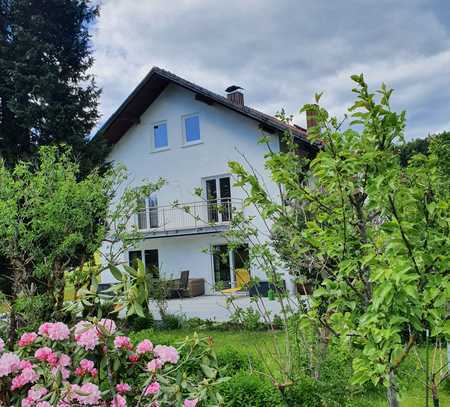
(187, 215)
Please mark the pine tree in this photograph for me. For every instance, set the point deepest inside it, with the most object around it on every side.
(47, 91)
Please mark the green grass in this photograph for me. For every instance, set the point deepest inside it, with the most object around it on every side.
(261, 345)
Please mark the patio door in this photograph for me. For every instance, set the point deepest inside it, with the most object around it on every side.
(218, 195)
(222, 266)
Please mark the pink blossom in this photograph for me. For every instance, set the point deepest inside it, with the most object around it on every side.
(123, 342)
(87, 364)
(119, 401)
(9, 363)
(93, 372)
(190, 403)
(153, 388)
(43, 329)
(42, 354)
(88, 393)
(27, 339)
(86, 335)
(2, 345)
(123, 388)
(133, 358)
(144, 346)
(28, 375)
(154, 365)
(58, 331)
(166, 354)
(109, 325)
(25, 364)
(43, 404)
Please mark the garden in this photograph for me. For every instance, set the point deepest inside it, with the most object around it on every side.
(366, 231)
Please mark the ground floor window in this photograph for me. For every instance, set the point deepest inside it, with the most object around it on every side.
(150, 258)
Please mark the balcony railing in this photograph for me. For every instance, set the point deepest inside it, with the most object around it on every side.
(192, 215)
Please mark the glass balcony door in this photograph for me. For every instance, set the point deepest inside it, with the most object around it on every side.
(218, 195)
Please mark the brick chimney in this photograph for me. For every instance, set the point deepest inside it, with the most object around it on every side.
(236, 97)
(311, 119)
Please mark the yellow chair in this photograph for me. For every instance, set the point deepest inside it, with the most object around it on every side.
(242, 278)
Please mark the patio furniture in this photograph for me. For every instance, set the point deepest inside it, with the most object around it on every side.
(196, 287)
(180, 286)
(242, 279)
(262, 289)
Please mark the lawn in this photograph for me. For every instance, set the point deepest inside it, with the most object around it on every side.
(256, 343)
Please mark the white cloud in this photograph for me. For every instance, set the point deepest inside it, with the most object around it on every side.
(281, 51)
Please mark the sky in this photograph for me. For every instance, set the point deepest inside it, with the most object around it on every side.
(283, 51)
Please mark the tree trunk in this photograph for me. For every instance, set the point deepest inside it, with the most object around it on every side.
(392, 394)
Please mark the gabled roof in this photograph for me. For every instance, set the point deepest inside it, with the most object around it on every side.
(156, 81)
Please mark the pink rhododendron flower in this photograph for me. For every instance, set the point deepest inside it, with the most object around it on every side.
(86, 335)
(154, 365)
(58, 331)
(42, 354)
(133, 358)
(2, 345)
(190, 403)
(123, 388)
(119, 401)
(34, 394)
(152, 388)
(87, 364)
(144, 346)
(9, 363)
(27, 339)
(109, 325)
(166, 354)
(88, 393)
(25, 364)
(43, 329)
(28, 375)
(123, 342)
(43, 404)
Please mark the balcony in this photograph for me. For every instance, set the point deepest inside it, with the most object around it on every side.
(187, 218)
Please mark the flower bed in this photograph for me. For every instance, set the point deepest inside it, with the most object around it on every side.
(93, 364)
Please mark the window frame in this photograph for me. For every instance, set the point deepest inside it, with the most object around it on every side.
(155, 149)
(187, 143)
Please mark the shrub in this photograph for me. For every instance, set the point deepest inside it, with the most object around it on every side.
(172, 321)
(246, 389)
(137, 323)
(94, 364)
(232, 361)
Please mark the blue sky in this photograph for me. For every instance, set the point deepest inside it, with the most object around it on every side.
(283, 51)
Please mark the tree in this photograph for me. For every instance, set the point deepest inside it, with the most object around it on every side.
(52, 223)
(48, 94)
(378, 233)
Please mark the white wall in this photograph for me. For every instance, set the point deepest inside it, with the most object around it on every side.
(224, 134)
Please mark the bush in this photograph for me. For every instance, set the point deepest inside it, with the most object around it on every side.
(233, 361)
(137, 323)
(305, 393)
(171, 321)
(246, 389)
(41, 372)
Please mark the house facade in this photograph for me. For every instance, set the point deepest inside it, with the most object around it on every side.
(174, 129)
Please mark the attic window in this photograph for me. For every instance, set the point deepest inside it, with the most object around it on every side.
(191, 129)
(160, 138)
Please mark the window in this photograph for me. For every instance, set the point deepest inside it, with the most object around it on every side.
(218, 196)
(147, 215)
(160, 139)
(191, 129)
(149, 257)
(133, 257)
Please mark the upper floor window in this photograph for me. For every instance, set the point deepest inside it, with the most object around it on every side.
(191, 129)
(160, 138)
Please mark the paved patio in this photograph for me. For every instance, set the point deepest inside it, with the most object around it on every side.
(214, 307)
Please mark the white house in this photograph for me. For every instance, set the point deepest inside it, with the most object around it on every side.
(174, 129)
